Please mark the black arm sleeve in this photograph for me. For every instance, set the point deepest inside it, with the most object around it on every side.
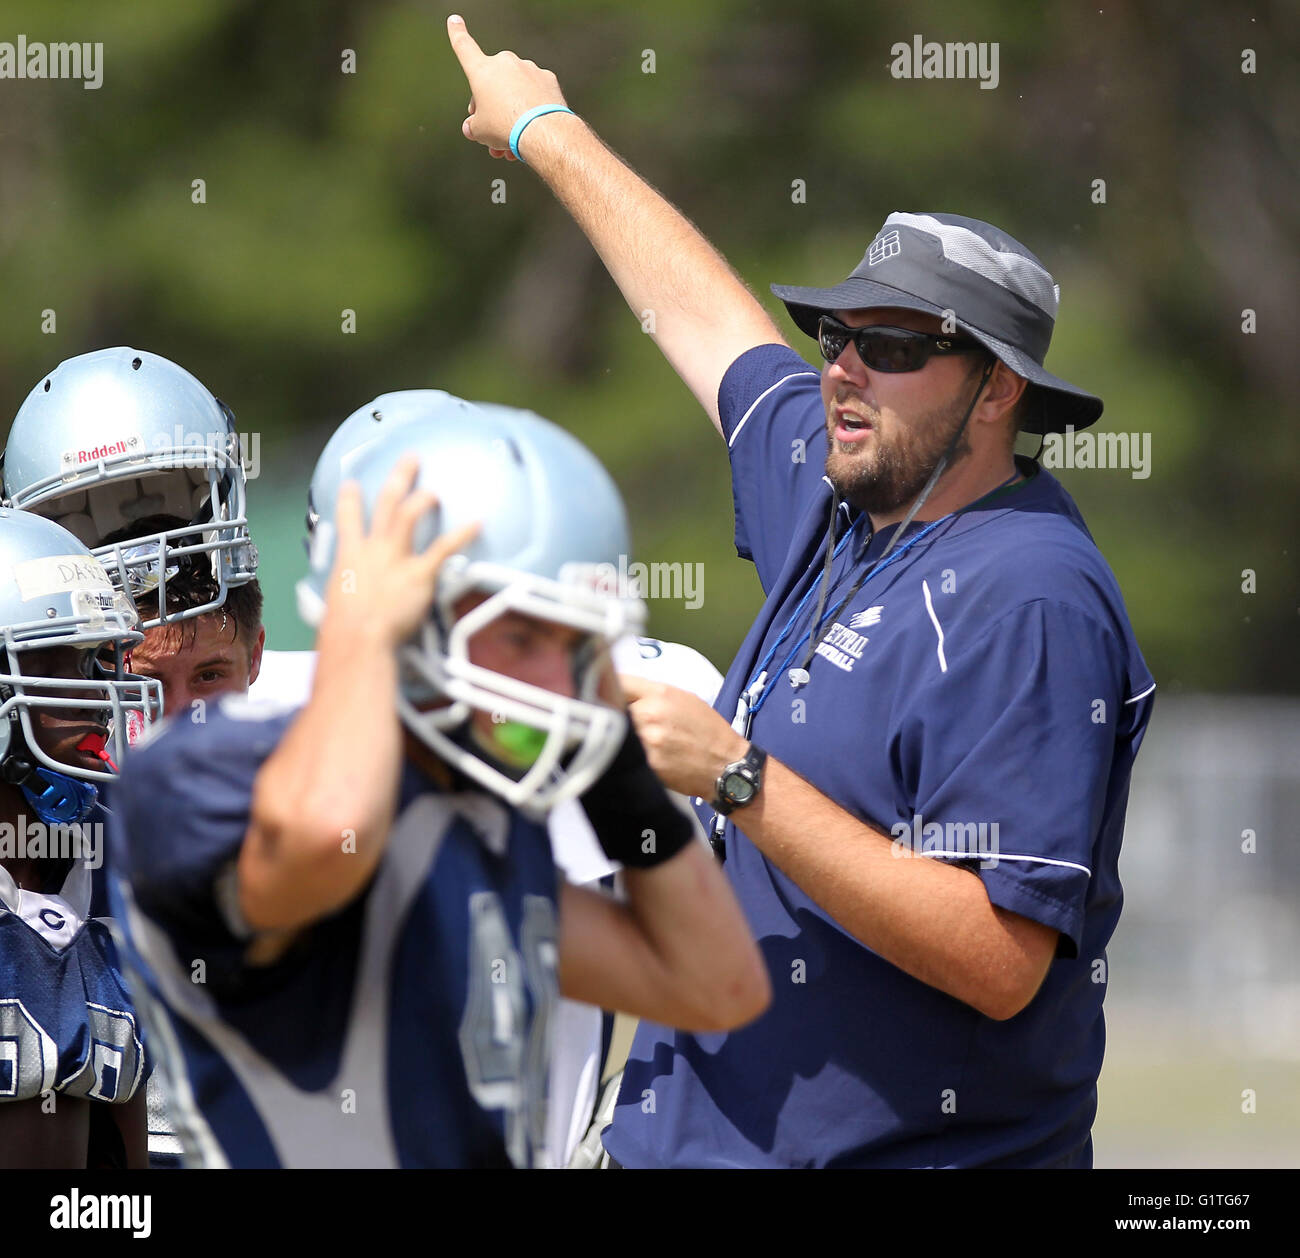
(629, 808)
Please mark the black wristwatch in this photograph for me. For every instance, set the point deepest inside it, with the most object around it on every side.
(739, 782)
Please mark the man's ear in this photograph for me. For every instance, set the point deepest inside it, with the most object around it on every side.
(255, 656)
(1001, 394)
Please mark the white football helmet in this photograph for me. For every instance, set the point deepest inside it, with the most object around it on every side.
(111, 440)
(553, 532)
(55, 593)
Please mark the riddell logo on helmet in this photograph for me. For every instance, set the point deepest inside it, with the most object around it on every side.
(79, 458)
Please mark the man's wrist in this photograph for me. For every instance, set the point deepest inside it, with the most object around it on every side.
(635, 821)
(547, 135)
(740, 781)
(527, 118)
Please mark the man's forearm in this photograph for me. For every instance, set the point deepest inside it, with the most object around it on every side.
(323, 801)
(931, 919)
(678, 951)
(688, 915)
(703, 315)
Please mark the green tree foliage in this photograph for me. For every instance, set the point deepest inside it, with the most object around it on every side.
(326, 191)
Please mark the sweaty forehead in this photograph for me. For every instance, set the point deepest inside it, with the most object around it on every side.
(890, 316)
(183, 641)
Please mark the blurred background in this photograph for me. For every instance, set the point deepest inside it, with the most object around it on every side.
(780, 130)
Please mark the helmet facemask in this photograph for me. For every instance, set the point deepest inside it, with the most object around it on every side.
(212, 548)
(119, 701)
(118, 496)
(580, 734)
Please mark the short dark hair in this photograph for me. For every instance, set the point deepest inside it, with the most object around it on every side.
(193, 586)
(242, 608)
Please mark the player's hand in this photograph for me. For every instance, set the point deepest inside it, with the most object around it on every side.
(687, 743)
(503, 87)
(378, 582)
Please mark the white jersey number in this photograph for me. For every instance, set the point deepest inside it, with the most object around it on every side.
(29, 1056)
(506, 1070)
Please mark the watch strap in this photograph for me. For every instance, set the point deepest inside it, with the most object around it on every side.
(751, 768)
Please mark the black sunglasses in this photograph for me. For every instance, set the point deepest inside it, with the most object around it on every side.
(888, 349)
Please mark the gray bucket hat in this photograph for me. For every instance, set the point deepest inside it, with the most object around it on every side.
(991, 285)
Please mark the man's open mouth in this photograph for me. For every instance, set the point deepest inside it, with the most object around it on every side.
(850, 426)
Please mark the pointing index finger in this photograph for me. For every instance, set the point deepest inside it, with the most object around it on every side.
(463, 44)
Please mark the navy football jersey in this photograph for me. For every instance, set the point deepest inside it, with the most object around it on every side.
(66, 1023)
(408, 1029)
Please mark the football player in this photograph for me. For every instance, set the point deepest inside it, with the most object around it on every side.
(195, 659)
(141, 462)
(72, 1064)
(119, 438)
(581, 1034)
(353, 923)
(198, 658)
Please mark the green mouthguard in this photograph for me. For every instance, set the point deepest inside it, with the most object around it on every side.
(520, 744)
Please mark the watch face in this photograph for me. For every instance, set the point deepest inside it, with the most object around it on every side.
(739, 788)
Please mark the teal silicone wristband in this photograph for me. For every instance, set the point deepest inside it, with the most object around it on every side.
(525, 118)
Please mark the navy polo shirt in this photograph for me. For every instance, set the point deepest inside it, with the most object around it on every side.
(981, 698)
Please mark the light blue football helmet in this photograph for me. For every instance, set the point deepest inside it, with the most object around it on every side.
(55, 593)
(553, 531)
(372, 424)
(118, 436)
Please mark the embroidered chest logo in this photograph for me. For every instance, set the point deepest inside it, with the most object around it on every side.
(843, 645)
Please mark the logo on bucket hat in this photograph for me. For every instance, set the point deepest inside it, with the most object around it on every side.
(884, 246)
(987, 282)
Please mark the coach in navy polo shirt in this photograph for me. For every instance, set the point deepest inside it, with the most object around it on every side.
(919, 764)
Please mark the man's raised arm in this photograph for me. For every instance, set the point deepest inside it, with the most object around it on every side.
(704, 316)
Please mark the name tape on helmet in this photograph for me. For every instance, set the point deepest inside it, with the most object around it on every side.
(59, 574)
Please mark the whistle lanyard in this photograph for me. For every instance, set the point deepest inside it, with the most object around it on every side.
(760, 686)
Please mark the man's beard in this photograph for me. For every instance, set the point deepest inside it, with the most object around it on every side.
(890, 477)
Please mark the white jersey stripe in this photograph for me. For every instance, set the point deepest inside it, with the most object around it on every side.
(794, 375)
(992, 857)
(938, 628)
